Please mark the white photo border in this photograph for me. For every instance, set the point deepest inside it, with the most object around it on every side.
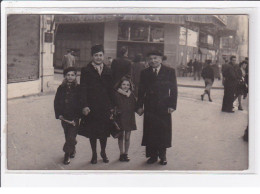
(117, 178)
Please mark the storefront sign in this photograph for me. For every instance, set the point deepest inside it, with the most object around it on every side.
(83, 18)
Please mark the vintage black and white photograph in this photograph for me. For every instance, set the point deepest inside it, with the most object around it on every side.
(120, 92)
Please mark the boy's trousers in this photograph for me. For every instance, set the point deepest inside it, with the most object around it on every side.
(70, 132)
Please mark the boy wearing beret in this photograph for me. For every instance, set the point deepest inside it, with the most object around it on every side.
(67, 109)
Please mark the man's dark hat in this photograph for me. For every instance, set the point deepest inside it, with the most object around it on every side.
(65, 71)
(96, 49)
(155, 52)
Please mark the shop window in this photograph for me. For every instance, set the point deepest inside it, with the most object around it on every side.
(139, 32)
(157, 34)
(123, 31)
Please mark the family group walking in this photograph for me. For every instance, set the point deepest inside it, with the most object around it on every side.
(86, 109)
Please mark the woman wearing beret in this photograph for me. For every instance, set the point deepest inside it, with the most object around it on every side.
(97, 102)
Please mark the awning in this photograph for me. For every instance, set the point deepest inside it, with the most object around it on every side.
(164, 19)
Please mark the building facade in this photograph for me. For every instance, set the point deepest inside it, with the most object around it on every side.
(30, 51)
(37, 43)
(179, 37)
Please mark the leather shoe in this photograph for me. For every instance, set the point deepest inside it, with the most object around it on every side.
(163, 162)
(66, 159)
(104, 157)
(73, 154)
(151, 160)
(126, 158)
(121, 158)
(94, 158)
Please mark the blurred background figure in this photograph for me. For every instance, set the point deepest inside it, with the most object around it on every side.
(137, 66)
(68, 60)
(230, 85)
(121, 66)
(189, 66)
(216, 69)
(196, 70)
(223, 70)
(242, 86)
(109, 62)
(208, 76)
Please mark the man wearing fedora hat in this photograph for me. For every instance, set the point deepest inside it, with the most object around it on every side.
(157, 99)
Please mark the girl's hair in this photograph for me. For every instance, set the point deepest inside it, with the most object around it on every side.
(118, 84)
(243, 62)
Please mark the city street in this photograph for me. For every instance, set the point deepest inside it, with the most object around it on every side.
(204, 138)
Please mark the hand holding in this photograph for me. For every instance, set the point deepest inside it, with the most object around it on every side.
(86, 111)
(171, 110)
(140, 111)
(73, 123)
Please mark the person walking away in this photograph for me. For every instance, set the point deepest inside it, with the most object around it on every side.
(137, 66)
(208, 76)
(97, 98)
(195, 69)
(157, 99)
(121, 67)
(230, 86)
(68, 60)
(125, 105)
(67, 109)
(242, 87)
(200, 65)
(189, 65)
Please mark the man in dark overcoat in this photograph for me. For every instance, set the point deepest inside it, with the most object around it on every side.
(230, 85)
(97, 101)
(157, 99)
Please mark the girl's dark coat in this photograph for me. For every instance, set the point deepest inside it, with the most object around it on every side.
(97, 94)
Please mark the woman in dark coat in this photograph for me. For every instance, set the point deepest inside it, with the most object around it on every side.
(158, 94)
(97, 102)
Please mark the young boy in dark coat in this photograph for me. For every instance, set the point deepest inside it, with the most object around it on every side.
(67, 109)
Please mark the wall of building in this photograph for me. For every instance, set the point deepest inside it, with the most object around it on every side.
(29, 55)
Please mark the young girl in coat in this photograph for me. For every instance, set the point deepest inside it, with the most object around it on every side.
(125, 105)
(67, 109)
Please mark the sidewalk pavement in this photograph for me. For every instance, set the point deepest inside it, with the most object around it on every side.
(204, 138)
(181, 81)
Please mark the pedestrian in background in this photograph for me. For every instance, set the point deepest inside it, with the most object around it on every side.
(208, 76)
(230, 85)
(68, 60)
(67, 109)
(223, 68)
(157, 99)
(196, 70)
(137, 66)
(189, 65)
(242, 86)
(97, 98)
(121, 66)
(125, 106)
